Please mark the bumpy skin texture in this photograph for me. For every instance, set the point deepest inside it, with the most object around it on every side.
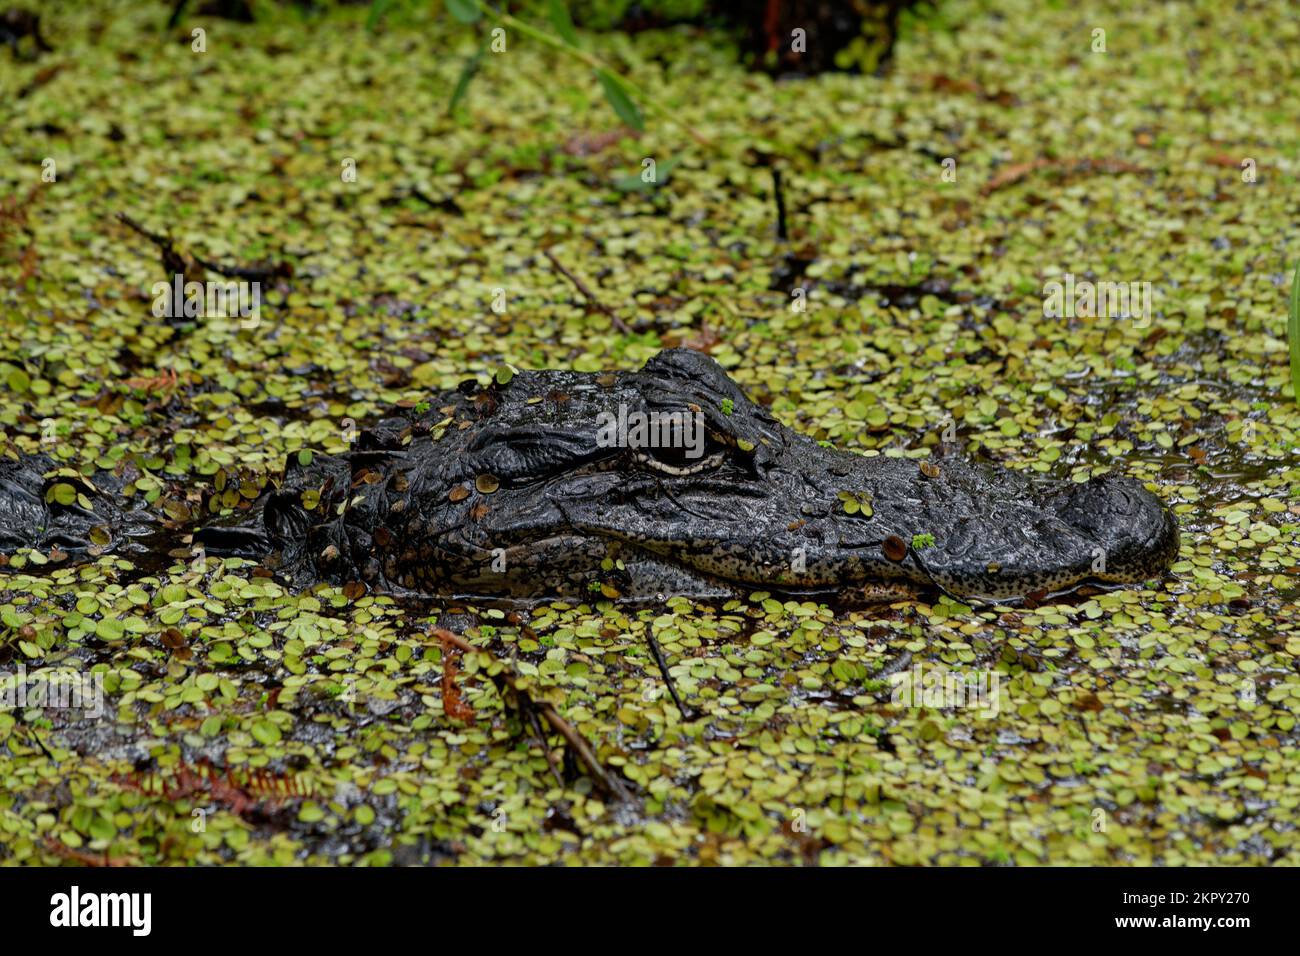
(505, 491)
(421, 515)
(28, 520)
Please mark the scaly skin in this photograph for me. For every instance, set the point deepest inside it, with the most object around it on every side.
(506, 491)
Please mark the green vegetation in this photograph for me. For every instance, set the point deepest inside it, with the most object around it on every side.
(1146, 725)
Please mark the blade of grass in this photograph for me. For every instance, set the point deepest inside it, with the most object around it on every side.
(377, 10)
(622, 103)
(467, 74)
(563, 23)
(635, 184)
(629, 91)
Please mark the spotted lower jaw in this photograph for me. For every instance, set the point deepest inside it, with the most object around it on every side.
(882, 593)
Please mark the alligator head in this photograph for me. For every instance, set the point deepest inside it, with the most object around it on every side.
(669, 480)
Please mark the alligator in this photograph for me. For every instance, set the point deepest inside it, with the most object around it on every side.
(667, 480)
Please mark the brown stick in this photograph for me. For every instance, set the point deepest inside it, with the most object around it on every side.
(175, 262)
(1009, 175)
(86, 858)
(263, 273)
(587, 293)
(530, 717)
(561, 726)
(161, 241)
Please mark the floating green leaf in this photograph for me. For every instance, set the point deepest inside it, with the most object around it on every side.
(265, 731)
(61, 493)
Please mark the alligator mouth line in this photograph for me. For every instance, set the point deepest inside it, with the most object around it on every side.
(511, 490)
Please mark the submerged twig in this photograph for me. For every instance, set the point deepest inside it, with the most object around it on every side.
(781, 233)
(260, 273)
(173, 262)
(177, 264)
(577, 745)
(1009, 175)
(587, 293)
(658, 653)
(529, 713)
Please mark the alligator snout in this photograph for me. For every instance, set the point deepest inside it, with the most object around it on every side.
(1028, 538)
(1127, 524)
